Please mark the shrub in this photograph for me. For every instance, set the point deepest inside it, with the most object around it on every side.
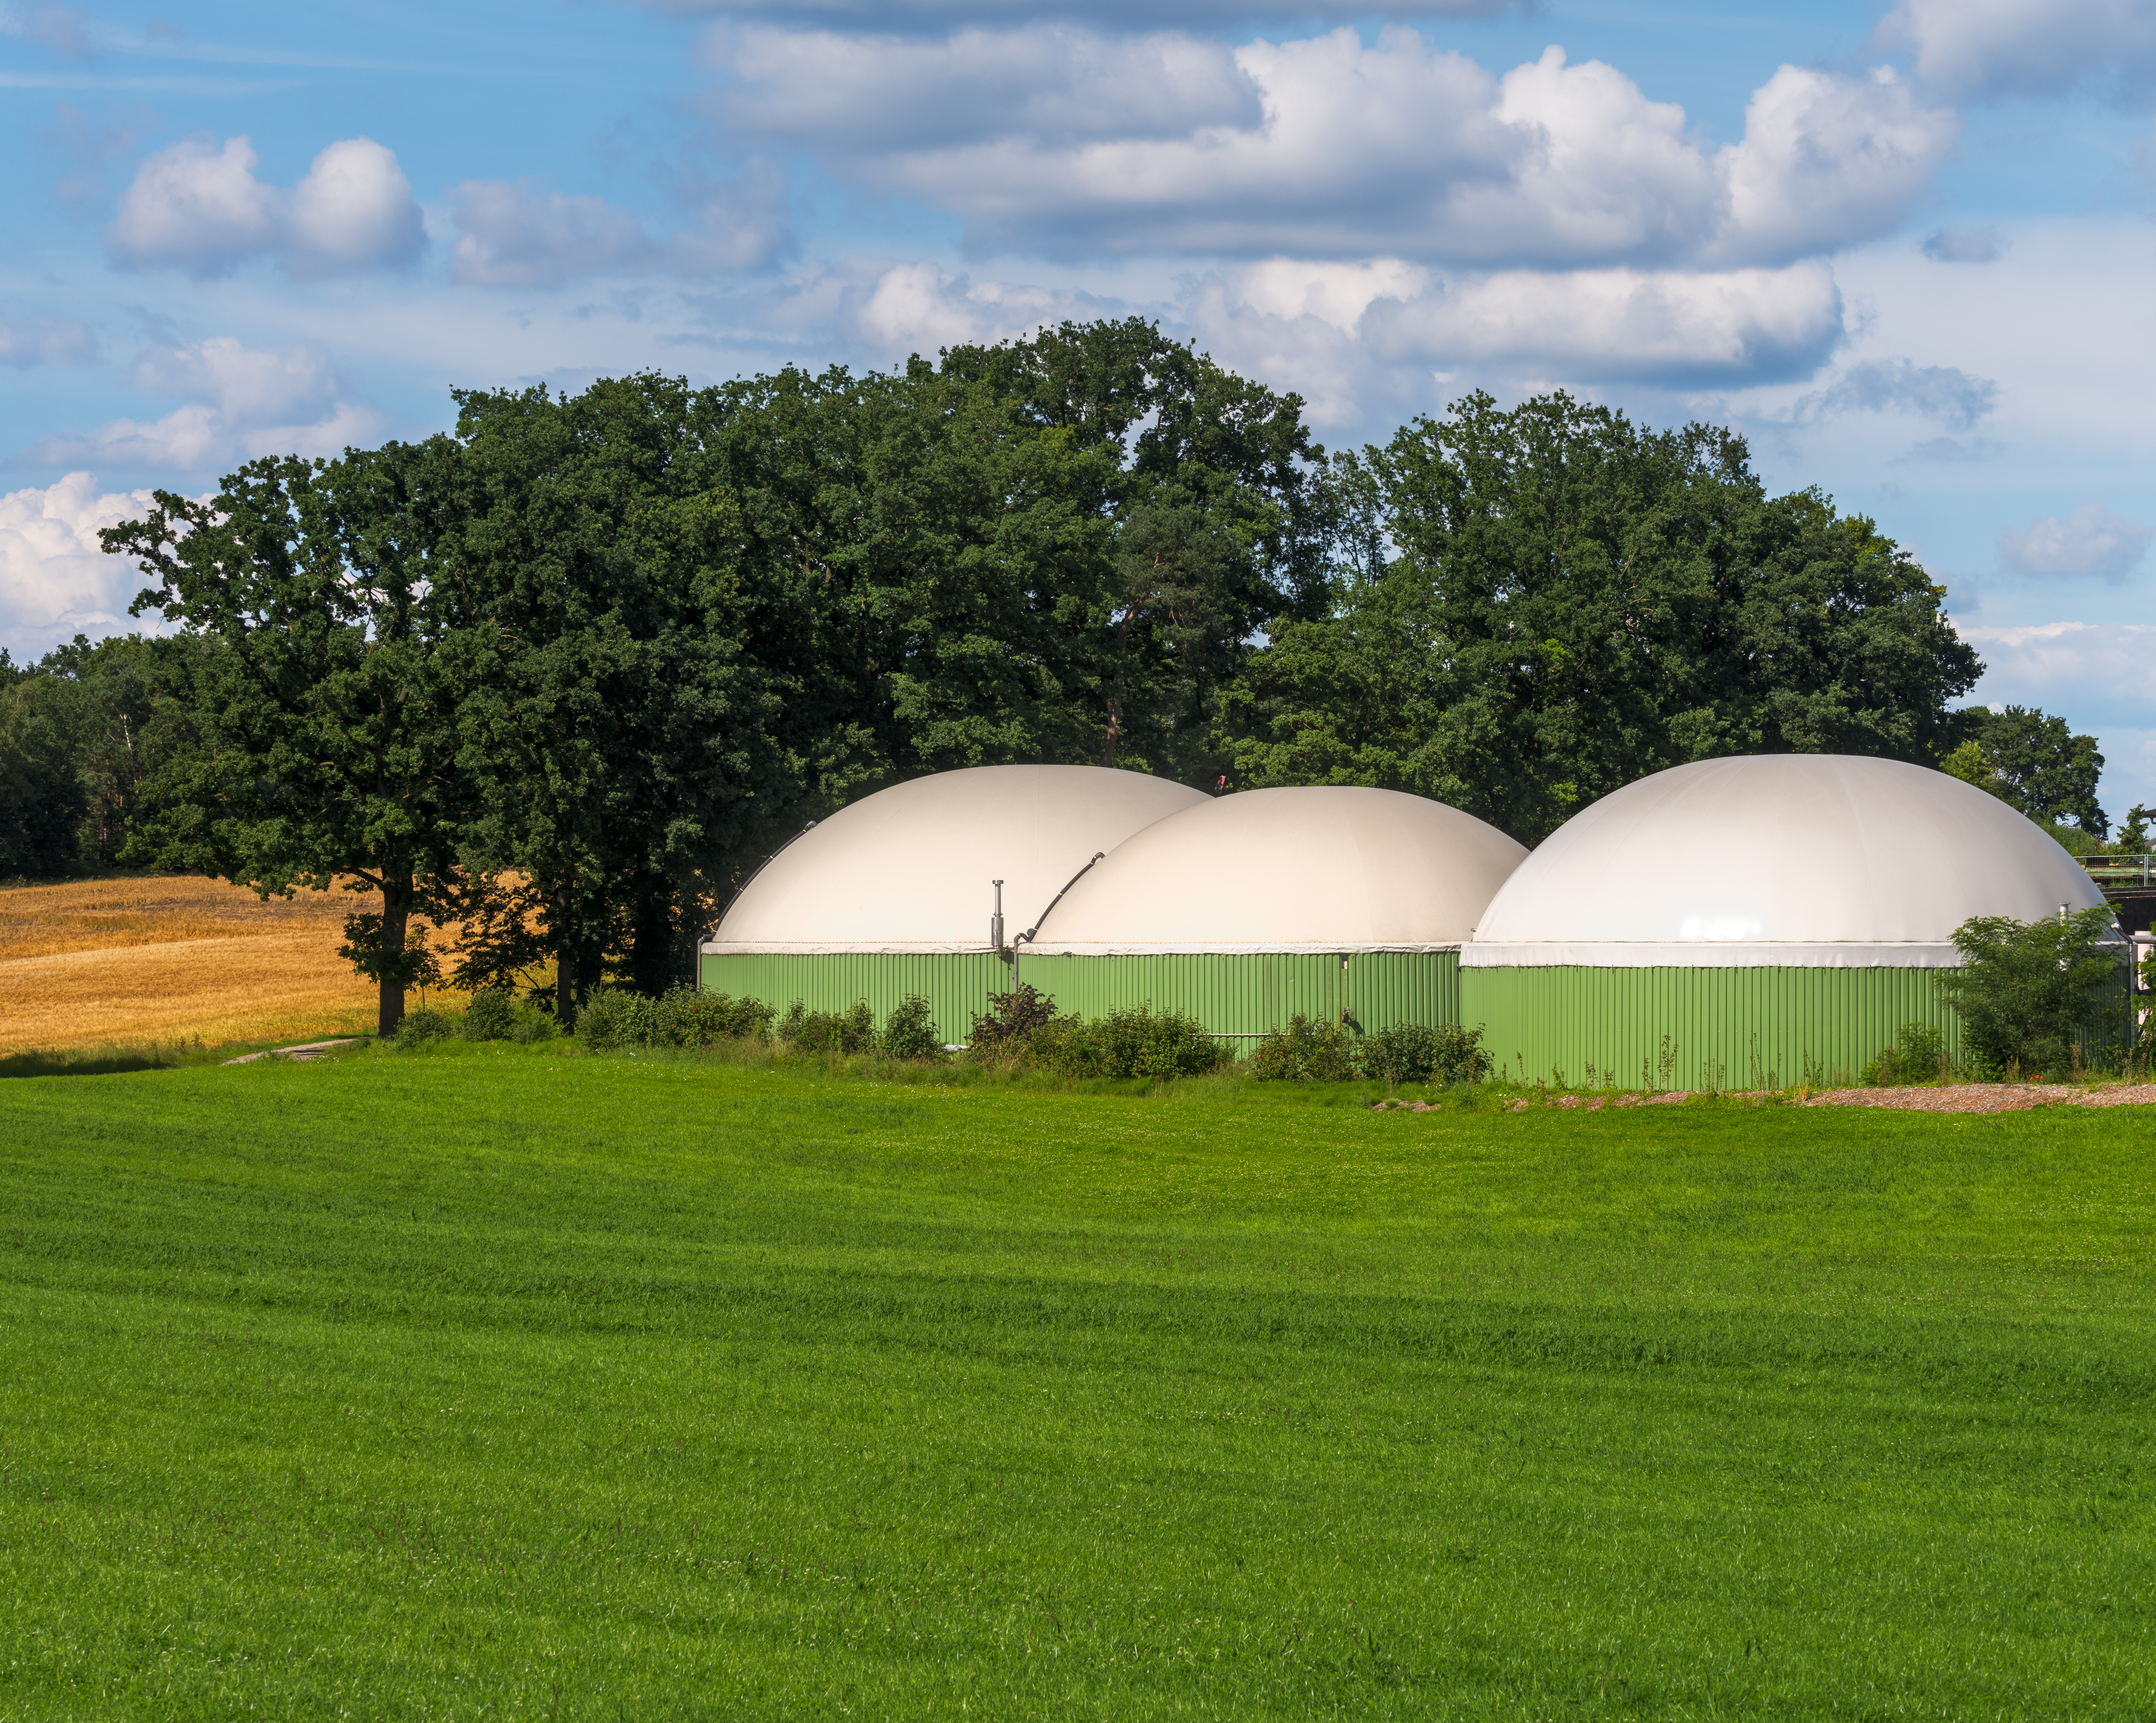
(1918, 1055)
(2030, 995)
(491, 1016)
(1012, 1020)
(807, 1031)
(1305, 1052)
(909, 1032)
(1134, 1041)
(680, 1017)
(532, 1024)
(420, 1027)
(1419, 1052)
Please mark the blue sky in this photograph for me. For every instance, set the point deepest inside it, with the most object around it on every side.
(1909, 249)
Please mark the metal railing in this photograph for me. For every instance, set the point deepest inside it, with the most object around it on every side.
(2119, 869)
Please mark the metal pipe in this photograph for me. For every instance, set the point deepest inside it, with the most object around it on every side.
(996, 921)
(1026, 938)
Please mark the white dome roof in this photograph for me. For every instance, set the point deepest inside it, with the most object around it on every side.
(1810, 860)
(1325, 868)
(909, 868)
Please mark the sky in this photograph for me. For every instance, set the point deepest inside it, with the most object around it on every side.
(1907, 249)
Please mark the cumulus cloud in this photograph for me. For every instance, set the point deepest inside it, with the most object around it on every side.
(1326, 147)
(2090, 541)
(239, 402)
(520, 234)
(1938, 391)
(197, 206)
(55, 581)
(1973, 50)
(1964, 245)
(936, 17)
(46, 341)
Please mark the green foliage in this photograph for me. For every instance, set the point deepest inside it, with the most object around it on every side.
(1918, 1055)
(909, 1032)
(42, 799)
(851, 1031)
(1012, 1020)
(2133, 836)
(682, 1017)
(1134, 1041)
(491, 1015)
(739, 1379)
(414, 963)
(1419, 1053)
(2035, 998)
(416, 1029)
(1306, 1052)
(2033, 762)
(1575, 603)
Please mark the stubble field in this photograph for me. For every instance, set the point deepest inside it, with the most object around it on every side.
(495, 1382)
(169, 959)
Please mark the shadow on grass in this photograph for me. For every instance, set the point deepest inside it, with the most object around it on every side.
(115, 1058)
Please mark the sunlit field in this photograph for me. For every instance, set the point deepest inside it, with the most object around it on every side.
(498, 1381)
(171, 958)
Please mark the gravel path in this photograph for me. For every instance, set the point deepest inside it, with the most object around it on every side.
(1959, 1098)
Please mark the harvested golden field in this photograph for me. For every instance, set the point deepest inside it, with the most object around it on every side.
(127, 961)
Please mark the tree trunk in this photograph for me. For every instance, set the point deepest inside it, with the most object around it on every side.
(564, 985)
(1116, 694)
(396, 919)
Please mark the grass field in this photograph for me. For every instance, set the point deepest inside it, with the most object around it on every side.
(502, 1382)
(166, 958)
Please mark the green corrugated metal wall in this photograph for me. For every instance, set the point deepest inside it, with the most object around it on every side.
(1243, 995)
(957, 984)
(1248, 994)
(1696, 1028)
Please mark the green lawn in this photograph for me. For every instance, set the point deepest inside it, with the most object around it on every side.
(500, 1383)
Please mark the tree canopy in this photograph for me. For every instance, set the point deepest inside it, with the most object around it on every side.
(567, 674)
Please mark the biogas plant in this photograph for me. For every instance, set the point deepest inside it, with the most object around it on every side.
(1756, 917)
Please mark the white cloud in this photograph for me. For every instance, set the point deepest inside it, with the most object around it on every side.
(46, 341)
(1940, 392)
(354, 211)
(915, 308)
(520, 234)
(1972, 50)
(1326, 147)
(197, 206)
(55, 581)
(2090, 541)
(194, 206)
(936, 17)
(241, 402)
(1738, 325)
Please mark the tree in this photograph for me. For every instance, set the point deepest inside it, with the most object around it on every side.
(2029, 995)
(2033, 762)
(317, 618)
(1538, 606)
(1221, 513)
(42, 799)
(629, 705)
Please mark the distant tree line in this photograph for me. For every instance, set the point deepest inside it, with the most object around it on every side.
(566, 674)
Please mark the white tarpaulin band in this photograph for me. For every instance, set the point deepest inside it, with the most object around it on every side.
(1075, 949)
(1705, 954)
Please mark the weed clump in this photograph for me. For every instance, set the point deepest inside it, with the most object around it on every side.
(426, 1024)
(1918, 1055)
(680, 1017)
(1419, 1052)
(491, 1016)
(1306, 1052)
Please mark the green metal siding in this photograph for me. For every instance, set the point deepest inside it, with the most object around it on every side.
(1696, 1028)
(957, 984)
(1244, 995)
(1248, 994)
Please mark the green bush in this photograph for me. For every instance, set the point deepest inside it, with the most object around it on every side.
(1134, 1041)
(806, 1031)
(1918, 1055)
(680, 1017)
(1305, 1052)
(1012, 1020)
(1419, 1053)
(420, 1027)
(2034, 996)
(532, 1024)
(909, 1032)
(491, 1016)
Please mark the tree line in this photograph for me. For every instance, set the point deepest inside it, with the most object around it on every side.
(565, 675)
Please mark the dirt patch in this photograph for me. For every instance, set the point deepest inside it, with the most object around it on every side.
(1988, 1097)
